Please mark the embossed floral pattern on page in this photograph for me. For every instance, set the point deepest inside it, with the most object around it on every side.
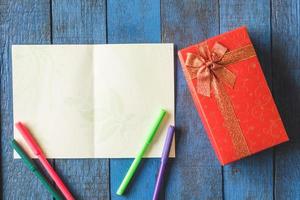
(93, 101)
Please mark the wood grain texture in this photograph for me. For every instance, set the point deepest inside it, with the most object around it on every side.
(285, 58)
(82, 22)
(286, 87)
(287, 172)
(79, 21)
(21, 22)
(195, 172)
(250, 178)
(136, 21)
(132, 22)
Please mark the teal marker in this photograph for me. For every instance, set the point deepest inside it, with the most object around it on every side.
(141, 153)
(32, 167)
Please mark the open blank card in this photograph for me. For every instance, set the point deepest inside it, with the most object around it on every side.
(93, 101)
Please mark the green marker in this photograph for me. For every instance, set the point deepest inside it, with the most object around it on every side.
(140, 154)
(32, 167)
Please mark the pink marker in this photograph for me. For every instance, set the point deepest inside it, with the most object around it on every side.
(39, 153)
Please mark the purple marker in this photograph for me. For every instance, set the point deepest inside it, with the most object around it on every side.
(163, 163)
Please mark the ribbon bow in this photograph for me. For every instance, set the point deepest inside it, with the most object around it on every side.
(207, 65)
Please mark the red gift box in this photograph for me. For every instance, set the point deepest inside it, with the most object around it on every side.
(232, 96)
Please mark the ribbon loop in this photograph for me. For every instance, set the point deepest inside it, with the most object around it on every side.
(225, 76)
(204, 80)
(218, 51)
(193, 61)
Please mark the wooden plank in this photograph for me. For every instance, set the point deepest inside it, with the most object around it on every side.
(250, 178)
(79, 22)
(82, 22)
(132, 22)
(195, 172)
(21, 22)
(285, 60)
(287, 171)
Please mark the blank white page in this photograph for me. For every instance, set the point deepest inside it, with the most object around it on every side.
(93, 101)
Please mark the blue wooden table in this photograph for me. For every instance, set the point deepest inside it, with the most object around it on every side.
(195, 173)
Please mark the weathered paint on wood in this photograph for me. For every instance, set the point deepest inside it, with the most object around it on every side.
(21, 22)
(81, 22)
(285, 58)
(286, 87)
(133, 22)
(250, 178)
(195, 172)
(287, 171)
